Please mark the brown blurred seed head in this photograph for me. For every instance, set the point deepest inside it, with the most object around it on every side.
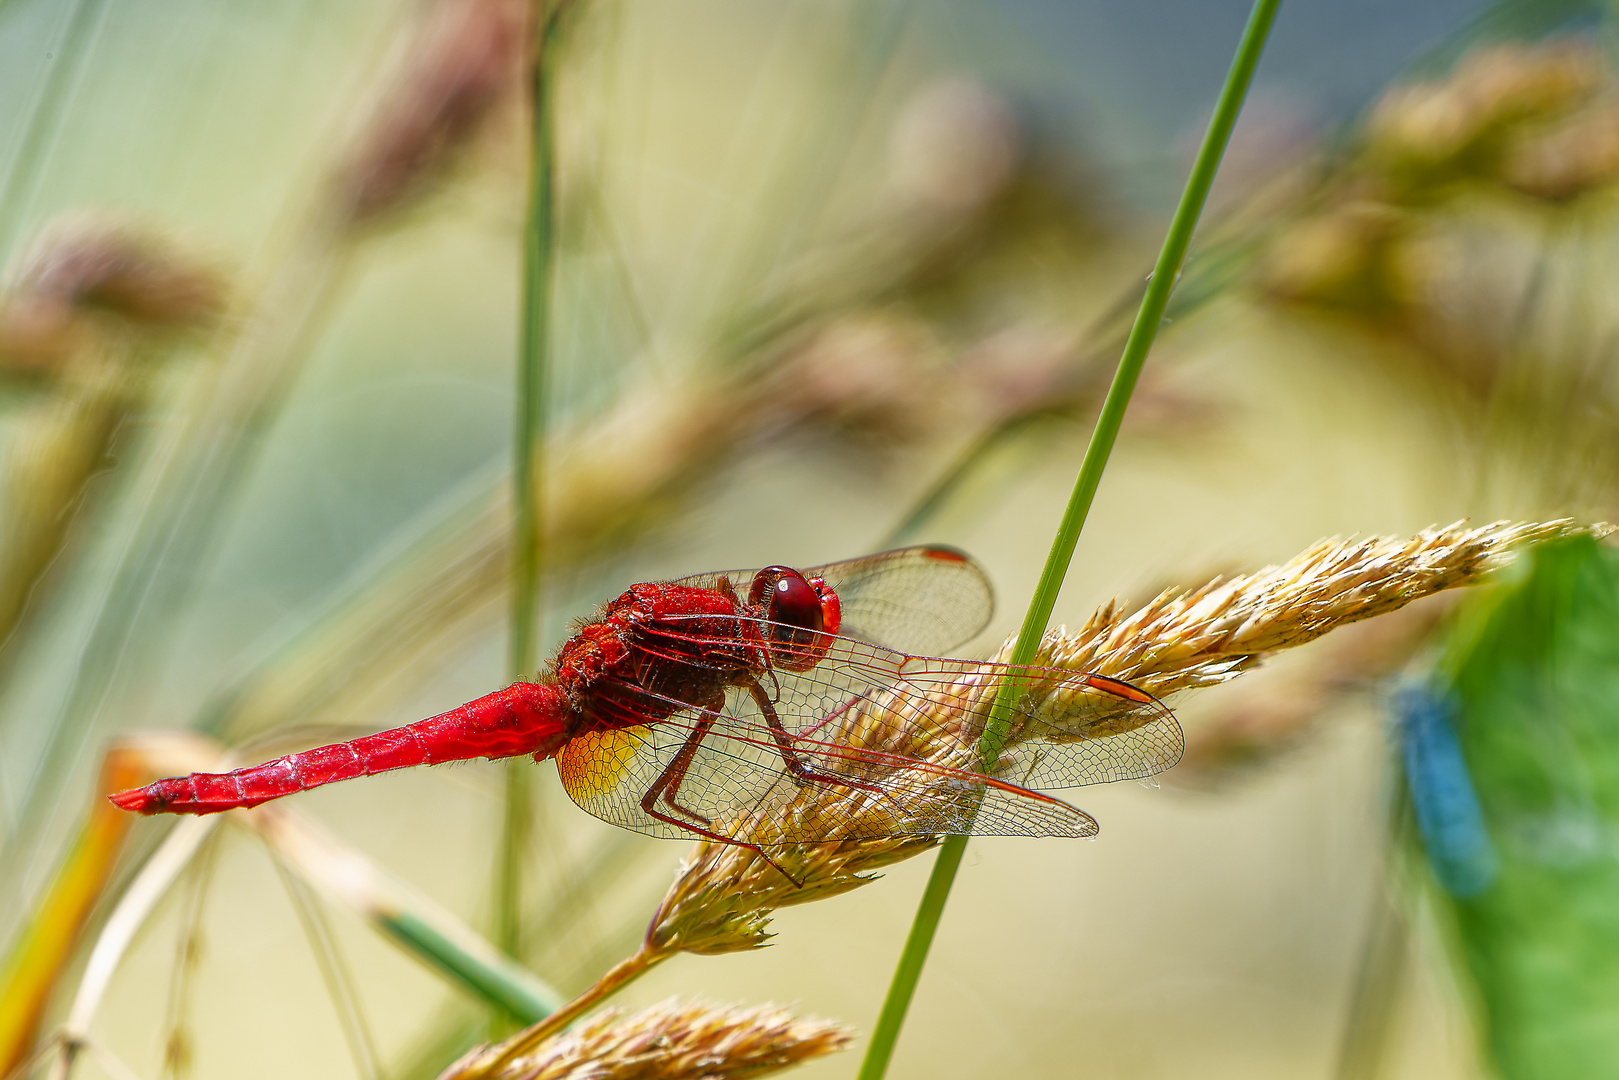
(82, 266)
(459, 68)
(876, 373)
(37, 336)
(1020, 368)
(669, 1041)
(1433, 131)
(1569, 159)
(1358, 256)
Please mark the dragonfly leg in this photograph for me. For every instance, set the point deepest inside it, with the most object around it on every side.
(667, 785)
(795, 764)
(710, 834)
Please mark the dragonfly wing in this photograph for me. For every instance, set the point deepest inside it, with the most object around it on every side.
(926, 599)
(1068, 728)
(708, 772)
(736, 783)
(607, 772)
(1086, 744)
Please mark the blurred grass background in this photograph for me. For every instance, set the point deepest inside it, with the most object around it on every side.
(812, 258)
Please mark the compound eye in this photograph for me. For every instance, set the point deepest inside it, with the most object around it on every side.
(794, 601)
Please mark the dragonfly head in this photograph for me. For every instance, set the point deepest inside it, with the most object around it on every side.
(803, 613)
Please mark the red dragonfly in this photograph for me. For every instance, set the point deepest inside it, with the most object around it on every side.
(684, 709)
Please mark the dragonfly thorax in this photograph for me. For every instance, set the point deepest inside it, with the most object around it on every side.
(655, 650)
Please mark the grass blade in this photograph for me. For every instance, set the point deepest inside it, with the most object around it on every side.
(539, 238)
(1145, 329)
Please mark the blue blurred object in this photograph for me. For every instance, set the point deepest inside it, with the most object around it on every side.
(1448, 813)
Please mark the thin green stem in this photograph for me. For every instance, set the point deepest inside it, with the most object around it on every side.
(539, 239)
(909, 970)
(1145, 329)
(490, 978)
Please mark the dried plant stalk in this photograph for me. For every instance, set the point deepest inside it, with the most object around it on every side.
(44, 949)
(669, 1041)
(47, 944)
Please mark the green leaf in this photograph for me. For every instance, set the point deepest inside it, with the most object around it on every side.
(1535, 671)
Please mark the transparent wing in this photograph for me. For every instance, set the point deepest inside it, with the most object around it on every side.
(870, 742)
(1065, 729)
(926, 599)
(736, 784)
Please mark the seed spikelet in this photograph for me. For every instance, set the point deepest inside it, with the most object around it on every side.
(669, 1041)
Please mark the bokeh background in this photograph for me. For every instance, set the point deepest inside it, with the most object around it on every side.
(828, 275)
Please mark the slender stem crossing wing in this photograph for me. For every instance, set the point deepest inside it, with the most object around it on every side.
(926, 599)
(870, 742)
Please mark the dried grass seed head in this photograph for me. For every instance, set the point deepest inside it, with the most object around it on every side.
(36, 339)
(723, 895)
(671, 1041)
(1183, 640)
(1573, 157)
(1276, 710)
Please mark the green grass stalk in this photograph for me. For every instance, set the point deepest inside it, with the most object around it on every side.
(515, 990)
(539, 239)
(1145, 329)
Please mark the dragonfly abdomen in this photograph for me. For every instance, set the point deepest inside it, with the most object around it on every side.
(524, 718)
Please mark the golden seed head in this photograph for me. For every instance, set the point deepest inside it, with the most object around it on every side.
(723, 894)
(954, 147)
(1275, 711)
(670, 1041)
(1355, 254)
(1184, 639)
